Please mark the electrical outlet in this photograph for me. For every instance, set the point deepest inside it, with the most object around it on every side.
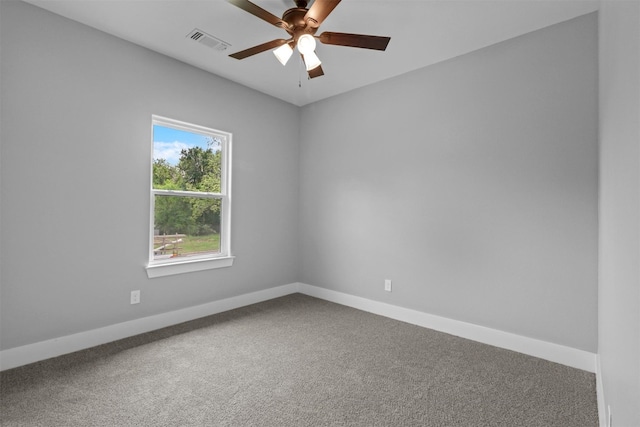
(135, 297)
(387, 285)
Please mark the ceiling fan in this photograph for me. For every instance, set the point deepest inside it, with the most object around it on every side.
(301, 24)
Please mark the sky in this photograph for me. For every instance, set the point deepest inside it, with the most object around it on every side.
(168, 142)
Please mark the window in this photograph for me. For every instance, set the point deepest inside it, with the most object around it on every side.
(190, 198)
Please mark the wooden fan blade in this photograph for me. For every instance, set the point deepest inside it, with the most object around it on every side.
(256, 10)
(355, 40)
(316, 72)
(258, 49)
(320, 9)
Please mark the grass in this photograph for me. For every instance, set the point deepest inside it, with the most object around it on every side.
(191, 244)
(206, 243)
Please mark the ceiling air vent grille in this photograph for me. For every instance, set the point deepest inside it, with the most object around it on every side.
(208, 40)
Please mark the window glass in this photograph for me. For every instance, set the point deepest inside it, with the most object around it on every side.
(186, 226)
(190, 192)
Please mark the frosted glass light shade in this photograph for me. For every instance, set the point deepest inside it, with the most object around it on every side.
(283, 53)
(306, 44)
(311, 60)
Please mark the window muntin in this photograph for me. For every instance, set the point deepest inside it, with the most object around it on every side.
(190, 193)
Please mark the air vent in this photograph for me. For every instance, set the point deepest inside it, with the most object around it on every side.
(208, 40)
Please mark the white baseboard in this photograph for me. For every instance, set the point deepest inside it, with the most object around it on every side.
(19, 356)
(602, 409)
(568, 356)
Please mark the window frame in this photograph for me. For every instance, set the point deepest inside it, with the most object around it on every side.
(224, 258)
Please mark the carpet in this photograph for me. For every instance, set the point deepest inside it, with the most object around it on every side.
(297, 361)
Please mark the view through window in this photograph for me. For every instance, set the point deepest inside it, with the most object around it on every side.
(190, 192)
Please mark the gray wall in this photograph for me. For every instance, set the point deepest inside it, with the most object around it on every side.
(472, 184)
(619, 289)
(76, 122)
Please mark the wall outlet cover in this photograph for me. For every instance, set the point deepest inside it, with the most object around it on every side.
(135, 297)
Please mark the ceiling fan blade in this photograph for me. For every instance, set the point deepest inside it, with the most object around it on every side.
(258, 49)
(355, 40)
(316, 72)
(319, 10)
(256, 10)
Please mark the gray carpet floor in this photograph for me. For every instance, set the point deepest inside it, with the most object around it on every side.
(296, 361)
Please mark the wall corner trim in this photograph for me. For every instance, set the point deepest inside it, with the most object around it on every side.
(602, 403)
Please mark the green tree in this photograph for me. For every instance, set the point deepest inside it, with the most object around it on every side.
(195, 163)
(198, 170)
(172, 213)
(164, 173)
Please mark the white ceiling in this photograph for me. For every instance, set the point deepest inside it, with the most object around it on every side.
(423, 32)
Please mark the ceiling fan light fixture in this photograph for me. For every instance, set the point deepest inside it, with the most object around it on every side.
(301, 24)
(306, 44)
(283, 53)
(311, 60)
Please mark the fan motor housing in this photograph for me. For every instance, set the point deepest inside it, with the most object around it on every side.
(297, 25)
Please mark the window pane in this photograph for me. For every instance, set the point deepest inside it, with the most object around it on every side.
(185, 160)
(185, 226)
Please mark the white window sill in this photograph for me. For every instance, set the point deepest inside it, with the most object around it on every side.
(168, 269)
